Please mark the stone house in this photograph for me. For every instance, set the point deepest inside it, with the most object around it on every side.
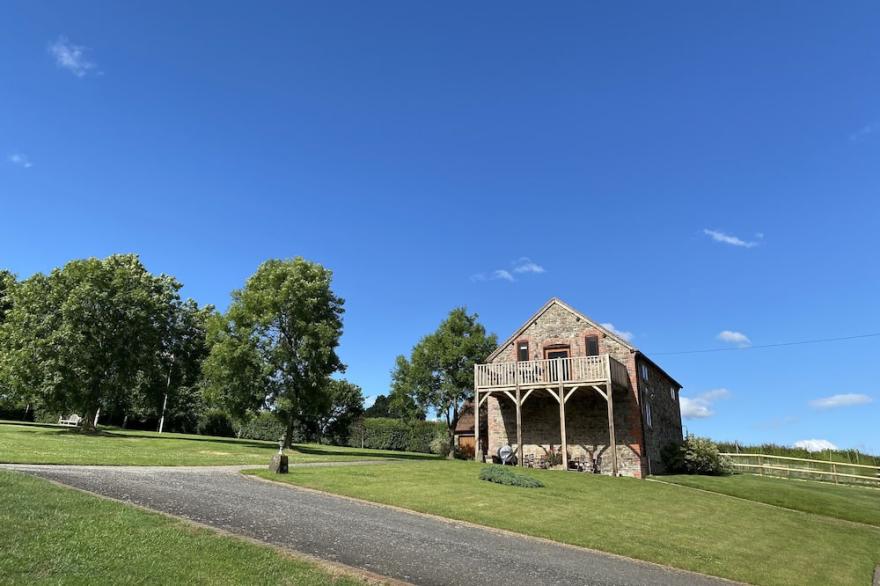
(564, 383)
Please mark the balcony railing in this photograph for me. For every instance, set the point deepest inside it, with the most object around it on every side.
(531, 373)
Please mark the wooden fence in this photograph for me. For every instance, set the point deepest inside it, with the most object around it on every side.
(805, 468)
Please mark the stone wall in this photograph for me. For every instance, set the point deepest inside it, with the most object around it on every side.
(586, 411)
(659, 394)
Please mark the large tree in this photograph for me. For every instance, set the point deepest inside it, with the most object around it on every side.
(7, 283)
(338, 408)
(440, 371)
(284, 325)
(89, 334)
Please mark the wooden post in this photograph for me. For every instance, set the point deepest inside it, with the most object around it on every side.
(478, 447)
(562, 414)
(612, 440)
(612, 437)
(519, 449)
(834, 471)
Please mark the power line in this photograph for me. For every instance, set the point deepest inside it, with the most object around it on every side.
(797, 343)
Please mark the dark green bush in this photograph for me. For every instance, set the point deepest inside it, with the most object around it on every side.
(264, 426)
(382, 433)
(216, 422)
(505, 475)
(696, 455)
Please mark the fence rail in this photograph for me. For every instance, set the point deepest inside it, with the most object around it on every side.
(790, 467)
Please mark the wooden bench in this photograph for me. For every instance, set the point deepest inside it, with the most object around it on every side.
(72, 421)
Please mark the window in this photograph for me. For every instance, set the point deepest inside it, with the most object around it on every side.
(648, 414)
(522, 351)
(643, 371)
(592, 345)
(672, 393)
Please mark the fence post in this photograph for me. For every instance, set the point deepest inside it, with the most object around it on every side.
(834, 471)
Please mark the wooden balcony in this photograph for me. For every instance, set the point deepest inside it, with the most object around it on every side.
(532, 374)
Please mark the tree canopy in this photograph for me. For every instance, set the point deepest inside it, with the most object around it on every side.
(440, 371)
(282, 329)
(90, 334)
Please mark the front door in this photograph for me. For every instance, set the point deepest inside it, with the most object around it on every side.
(552, 353)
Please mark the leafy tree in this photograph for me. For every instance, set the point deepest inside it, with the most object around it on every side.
(440, 371)
(233, 375)
(86, 335)
(7, 283)
(284, 327)
(346, 405)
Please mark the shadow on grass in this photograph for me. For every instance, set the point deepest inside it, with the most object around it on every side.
(330, 451)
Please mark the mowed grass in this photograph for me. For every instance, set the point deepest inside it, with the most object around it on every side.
(48, 444)
(853, 503)
(667, 524)
(52, 535)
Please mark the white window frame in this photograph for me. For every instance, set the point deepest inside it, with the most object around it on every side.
(648, 418)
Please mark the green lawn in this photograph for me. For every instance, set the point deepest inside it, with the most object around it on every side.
(49, 444)
(662, 523)
(853, 503)
(51, 535)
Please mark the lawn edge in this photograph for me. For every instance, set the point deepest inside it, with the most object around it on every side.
(772, 506)
(335, 569)
(498, 530)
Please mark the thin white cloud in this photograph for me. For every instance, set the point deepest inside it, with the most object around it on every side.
(526, 265)
(71, 57)
(522, 266)
(732, 337)
(502, 274)
(700, 407)
(842, 400)
(864, 132)
(730, 239)
(20, 160)
(628, 336)
(815, 445)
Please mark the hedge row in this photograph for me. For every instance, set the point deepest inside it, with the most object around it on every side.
(382, 433)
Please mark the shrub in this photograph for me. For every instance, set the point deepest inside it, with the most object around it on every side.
(696, 455)
(440, 444)
(382, 433)
(505, 475)
(216, 422)
(265, 426)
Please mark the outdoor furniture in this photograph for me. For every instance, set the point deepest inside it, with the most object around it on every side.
(542, 462)
(72, 420)
(529, 460)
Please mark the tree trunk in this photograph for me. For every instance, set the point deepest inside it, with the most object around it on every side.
(288, 433)
(87, 425)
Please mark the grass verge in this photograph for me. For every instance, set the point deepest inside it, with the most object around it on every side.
(852, 503)
(661, 523)
(50, 444)
(52, 535)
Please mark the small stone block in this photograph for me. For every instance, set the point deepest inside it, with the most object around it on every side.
(278, 465)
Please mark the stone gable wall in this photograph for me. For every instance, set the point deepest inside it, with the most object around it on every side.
(586, 411)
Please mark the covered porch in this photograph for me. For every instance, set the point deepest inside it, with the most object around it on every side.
(559, 379)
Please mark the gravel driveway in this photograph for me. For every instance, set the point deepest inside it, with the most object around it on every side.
(404, 546)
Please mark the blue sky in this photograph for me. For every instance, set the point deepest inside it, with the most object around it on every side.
(679, 171)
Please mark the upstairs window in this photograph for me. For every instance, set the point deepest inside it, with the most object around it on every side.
(643, 371)
(522, 351)
(672, 393)
(648, 418)
(592, 345)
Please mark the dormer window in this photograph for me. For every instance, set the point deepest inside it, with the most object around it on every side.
(522, 351)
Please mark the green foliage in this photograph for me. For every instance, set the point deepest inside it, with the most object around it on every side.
(505, 475)
(381, 433)
(7, 283)
(440, 372)
(341, 405)
(396, 405)
(441, 445)
(97, 333)
(696, 455)
(263, 426)
(216, 422)
(283, 329)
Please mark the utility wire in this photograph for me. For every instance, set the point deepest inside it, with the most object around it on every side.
(798, 343)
